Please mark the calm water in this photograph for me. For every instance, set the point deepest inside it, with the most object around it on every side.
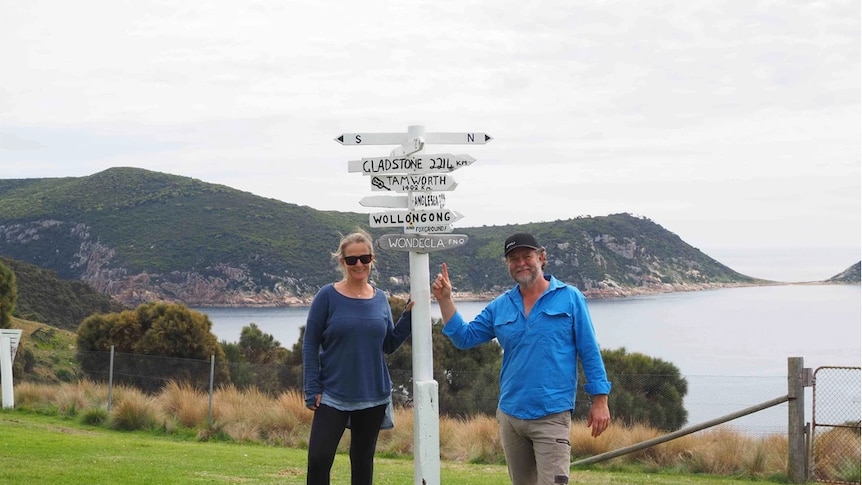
(732, 345)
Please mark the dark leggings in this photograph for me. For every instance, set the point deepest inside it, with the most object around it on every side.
(327, 427)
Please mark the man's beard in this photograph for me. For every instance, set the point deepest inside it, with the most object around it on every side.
(526, 278)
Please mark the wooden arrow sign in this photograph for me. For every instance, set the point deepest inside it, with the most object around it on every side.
(413, 183)
(424, 243)
(413, 218)
(438, 163)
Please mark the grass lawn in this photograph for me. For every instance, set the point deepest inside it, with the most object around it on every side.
(38, 449)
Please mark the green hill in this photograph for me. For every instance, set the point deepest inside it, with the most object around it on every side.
(139, 235)
(43, 297)
(46, 354)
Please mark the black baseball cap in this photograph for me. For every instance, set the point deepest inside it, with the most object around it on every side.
(519, 240)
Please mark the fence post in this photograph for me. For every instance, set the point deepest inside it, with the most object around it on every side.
(110, 378)
(796, 451)
(210, 408)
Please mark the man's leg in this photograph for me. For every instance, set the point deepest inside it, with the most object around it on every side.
(518, 450)
(550, 437)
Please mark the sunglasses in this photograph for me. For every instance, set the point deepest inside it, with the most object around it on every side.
(365, 258)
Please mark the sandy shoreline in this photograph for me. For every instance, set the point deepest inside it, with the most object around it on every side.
(607, 292)
(610, 292)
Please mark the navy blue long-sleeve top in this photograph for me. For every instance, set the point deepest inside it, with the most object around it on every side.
(344, 344)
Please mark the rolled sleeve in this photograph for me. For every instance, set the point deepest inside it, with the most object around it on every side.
(468, 335)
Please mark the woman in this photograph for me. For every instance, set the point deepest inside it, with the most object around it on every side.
(347, 382)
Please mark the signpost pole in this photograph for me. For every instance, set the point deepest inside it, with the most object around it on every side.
(6, 372)
(426, 414)
(426, 229)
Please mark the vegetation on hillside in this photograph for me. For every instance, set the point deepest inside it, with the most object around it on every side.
(167, 234)
(8, 294)
(44, 297)
(155, 222)
(46, 354)
(588, 252)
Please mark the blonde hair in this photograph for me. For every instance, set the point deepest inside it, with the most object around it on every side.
(357, 236)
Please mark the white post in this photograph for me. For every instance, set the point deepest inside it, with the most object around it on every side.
(426, 414)
(6, 372)
(418, 241)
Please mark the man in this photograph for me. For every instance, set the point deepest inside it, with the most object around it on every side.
(543, 327)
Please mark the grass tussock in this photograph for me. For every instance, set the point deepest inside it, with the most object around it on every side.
(184, 403)
(135, 411)
(249, 415)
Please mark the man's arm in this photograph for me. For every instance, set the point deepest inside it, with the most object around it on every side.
(600, 416)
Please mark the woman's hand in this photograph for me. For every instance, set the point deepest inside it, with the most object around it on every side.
(316, 404)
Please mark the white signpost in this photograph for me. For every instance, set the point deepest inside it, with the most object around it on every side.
(426, 224)
(9, 339)
(412, 146)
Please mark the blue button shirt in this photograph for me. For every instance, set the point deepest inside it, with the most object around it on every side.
(539, 375)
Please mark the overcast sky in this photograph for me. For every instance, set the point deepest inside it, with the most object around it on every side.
(734, 124)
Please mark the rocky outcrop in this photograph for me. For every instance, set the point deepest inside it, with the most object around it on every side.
(849, 275)
(95, 263)
(233, 288)
(626, 268)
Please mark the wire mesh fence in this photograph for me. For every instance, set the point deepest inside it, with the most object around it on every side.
(462, 392)
(835, 447)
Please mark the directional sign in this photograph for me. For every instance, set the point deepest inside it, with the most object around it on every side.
(439, 163)
(429, 229)
(412, 146)
(391, 201)
(413, 183)
(421, 243)
(426, 200)
(401, 138)
(372, 138)
(457, 138)
(420, 200)
(413, 218)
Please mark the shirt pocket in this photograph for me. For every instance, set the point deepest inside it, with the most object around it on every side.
(509, 329)
(555, 327)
